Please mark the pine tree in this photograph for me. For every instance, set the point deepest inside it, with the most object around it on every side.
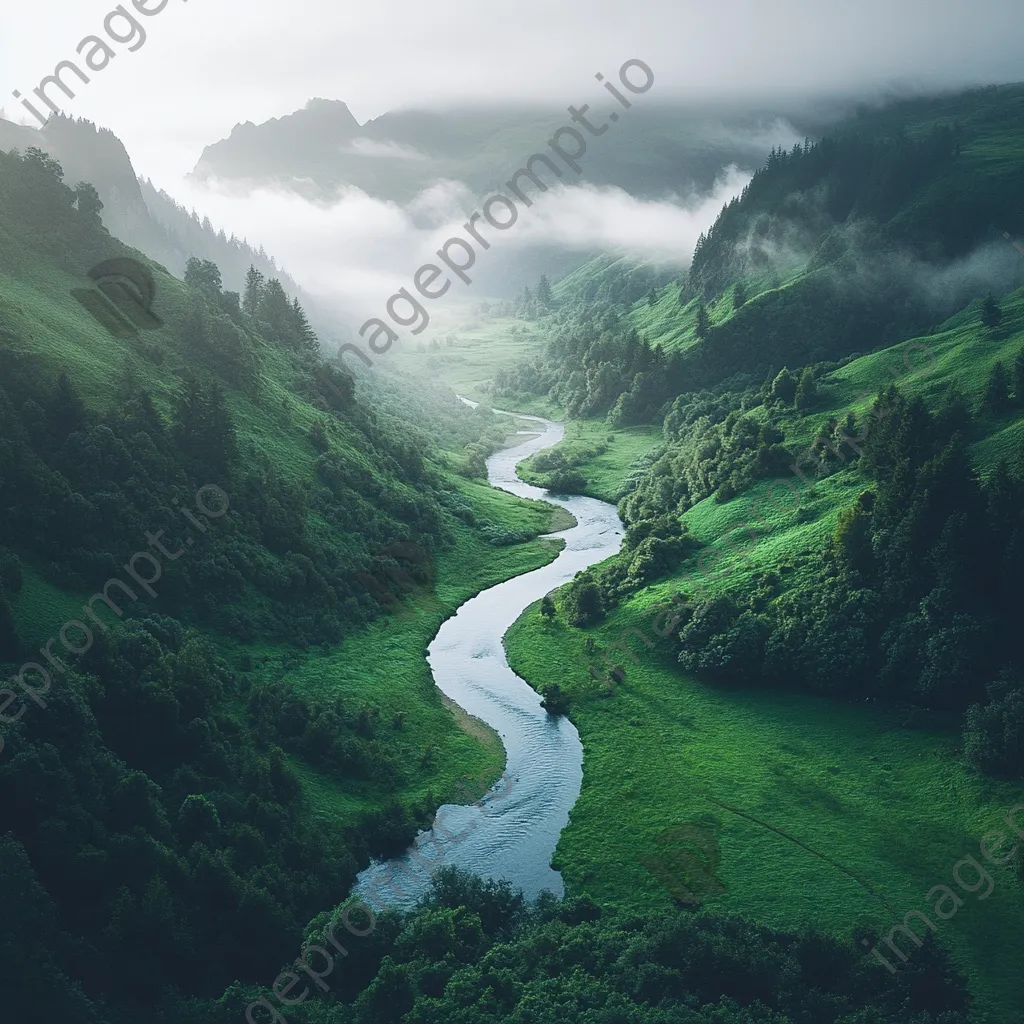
(253, 291)
(991, 314)
(997, 391)
(739, 295)
(806, 392)
(544, 290)
(203, 427)
(306, 335)
(276, 312)
(703, 321)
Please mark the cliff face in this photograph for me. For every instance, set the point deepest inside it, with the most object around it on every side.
(281, 142)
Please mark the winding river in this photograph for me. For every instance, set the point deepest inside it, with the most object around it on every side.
(512, 832)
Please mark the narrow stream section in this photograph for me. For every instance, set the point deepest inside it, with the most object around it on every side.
(512, 832)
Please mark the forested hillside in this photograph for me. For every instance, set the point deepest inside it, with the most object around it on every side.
(819, 587)
(135, 211)
(222, 560)
(916, 595)
(875, 233)
(165, 780)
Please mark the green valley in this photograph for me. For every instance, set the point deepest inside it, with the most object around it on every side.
(752, 750)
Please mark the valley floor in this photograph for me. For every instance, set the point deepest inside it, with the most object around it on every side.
(875, 812)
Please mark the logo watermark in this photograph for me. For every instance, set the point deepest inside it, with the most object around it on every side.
(122, 300)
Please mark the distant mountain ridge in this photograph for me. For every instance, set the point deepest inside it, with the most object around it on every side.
(659, 149)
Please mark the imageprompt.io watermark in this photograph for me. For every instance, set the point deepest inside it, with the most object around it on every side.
(500, 213)
(121, 26)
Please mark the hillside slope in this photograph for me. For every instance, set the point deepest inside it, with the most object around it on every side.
(238, 715)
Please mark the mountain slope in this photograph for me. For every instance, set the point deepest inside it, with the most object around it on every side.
(194, 737)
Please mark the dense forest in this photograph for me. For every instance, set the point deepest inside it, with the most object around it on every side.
(873, 234)
(475, 952)
(915, 595)
(154, 813)
(163, 858)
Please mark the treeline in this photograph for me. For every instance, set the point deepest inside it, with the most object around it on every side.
(596, 364)
(77, 482)
(475, 953)
(917, 596)
(864, 226)
(156, 836)
(849, 178)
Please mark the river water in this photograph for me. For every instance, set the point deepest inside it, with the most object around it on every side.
(512, 832)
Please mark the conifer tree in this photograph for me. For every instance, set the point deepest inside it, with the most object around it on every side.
(703, 321)
(991, 314)
(305, 334)
(253, 291)
(806, 392)
(997, 391)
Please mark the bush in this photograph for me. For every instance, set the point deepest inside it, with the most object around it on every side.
(994, 733)
(584, 602)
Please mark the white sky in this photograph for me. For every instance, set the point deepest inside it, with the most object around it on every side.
(208, 64)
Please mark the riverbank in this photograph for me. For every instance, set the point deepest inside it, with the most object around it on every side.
(514, 835)
(826, 812)
(383, 670)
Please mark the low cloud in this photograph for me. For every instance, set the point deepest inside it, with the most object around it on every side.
(357, 250)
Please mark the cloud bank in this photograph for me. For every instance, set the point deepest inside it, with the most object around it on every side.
(358, 250)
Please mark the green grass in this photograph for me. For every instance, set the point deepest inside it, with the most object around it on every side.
(875, 807)
(960, 351)
(607, 472)
(480, 347)
(893, 806)
(383, 666)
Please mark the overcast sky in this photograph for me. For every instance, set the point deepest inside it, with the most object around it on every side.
(209, 64)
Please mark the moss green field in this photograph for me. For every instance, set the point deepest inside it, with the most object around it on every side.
(480, 346)
(383, 667)
(623, 453)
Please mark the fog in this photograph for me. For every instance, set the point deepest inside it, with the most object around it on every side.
(205, 67)
(360, 249)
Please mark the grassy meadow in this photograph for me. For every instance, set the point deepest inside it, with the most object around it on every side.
(480, 346)
(835, 814)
